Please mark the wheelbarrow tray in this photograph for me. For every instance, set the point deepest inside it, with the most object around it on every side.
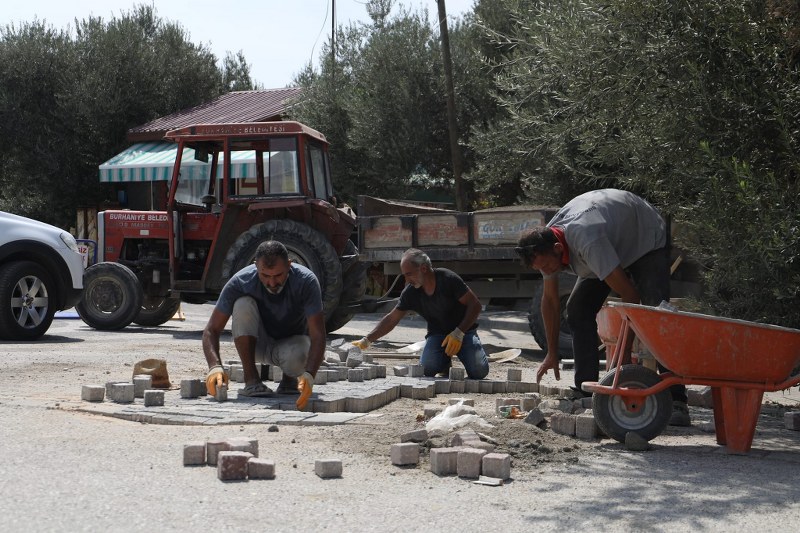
(693, 345)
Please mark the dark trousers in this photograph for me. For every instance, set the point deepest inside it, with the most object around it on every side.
(650, 276)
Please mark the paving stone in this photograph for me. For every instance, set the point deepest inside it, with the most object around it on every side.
(416, 371)
(232, 465)
(472, 386)
(586, 427)
(153, 397)
(514, 374)
(791, 420)
(431, 410)
(213, 448)
(192, 388)
(535, 417)
(423, 392)
(332, 357)
(141, 382)
(468, 462)
(457, 373)
(563, 424)
(530, 402)
(467, 437)
(635, 443)
(406, 453)
(418, 435)
(442, 386)
(499, 386)
(332, 375)
(354, 359)
(93, 393)
(400, 371)
(456, 387)
(496, 465)
(237, 373)
(221, 393)
(328, 468)
(321, 378)
(485, 386)
(465, 401)
(275, 373)
(260, 468)
(335, 343)
(355, 375)
(120, 392)
(243, 444)
(444, 461)
(586, 403)
(194, 453)
(381, 370)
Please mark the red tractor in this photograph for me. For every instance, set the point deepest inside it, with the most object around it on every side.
(233, 186)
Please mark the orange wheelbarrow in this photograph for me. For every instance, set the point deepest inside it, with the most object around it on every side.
(739, 360)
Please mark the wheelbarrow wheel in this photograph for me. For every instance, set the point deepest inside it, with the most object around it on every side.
(648, 419)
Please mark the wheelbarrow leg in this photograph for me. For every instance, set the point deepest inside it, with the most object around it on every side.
(738, 417)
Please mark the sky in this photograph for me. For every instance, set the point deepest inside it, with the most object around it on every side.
(277, 37)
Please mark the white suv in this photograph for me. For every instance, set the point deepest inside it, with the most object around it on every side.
(41, 272)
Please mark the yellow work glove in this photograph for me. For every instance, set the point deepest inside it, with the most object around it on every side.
(452, 343)
(305, 384)
(362, 343)
(216, 376)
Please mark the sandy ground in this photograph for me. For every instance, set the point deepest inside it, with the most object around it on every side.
(69, 471)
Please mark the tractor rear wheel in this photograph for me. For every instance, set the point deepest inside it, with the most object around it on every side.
(156, 310)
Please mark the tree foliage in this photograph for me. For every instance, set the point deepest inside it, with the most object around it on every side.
(693, 104)
(67, 99)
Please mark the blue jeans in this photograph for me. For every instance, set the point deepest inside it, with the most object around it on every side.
(472, 356)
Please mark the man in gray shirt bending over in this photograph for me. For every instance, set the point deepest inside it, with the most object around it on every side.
(277, 320)
(610, 239)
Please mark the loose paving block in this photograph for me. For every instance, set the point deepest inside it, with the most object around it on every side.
(467, 437)
(465, 401)
(213, 449)
(468, 463)
(791, 420)
(457, 373)
(381, 370)
(355, 375)
(140, 384)
(120, 392)
(194, 453)
(232, 466)
(406, 453)
(534, 417)
(563, 424)
(514, 374)
(431, 410)
(93, 393)
(400, 371)
(237, 373)
(321, 378)
(496, 465)
(328, 468)
(243, 444)
(416, 371)
(153, 398)
(335, 343)
(192, 388)
(530, 402)
(221, 393)
(332, 357)
(260, 468)
(444, 461)
(354, 359)
(419, 435)
(586, 427)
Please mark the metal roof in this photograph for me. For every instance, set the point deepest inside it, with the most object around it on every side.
(238, 106)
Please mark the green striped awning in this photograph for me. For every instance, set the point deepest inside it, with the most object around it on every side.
(153, 161)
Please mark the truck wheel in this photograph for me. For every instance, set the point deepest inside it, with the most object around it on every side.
(157, 310)
(648, 420)
(27, 305)
(354, 286)
(306, 246)
(536, 323)
(112, 296)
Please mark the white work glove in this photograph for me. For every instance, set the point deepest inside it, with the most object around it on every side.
(362, 343)
(216, 376)
(305, 384)
(452, 343)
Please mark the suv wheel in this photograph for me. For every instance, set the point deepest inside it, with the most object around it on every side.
(26, 308)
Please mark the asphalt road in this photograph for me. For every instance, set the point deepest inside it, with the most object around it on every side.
(64, 470)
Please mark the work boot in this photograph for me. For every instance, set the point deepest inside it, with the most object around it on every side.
(680, 414)
(288, 385)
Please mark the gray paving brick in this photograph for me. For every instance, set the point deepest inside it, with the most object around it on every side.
(418, 435)
(194, 453)
(400, 370)
(497, 465)
(232, 466)
(406, 453)
(586, 427)
(192, 388)
(499, 387)
(791, 420)
(140, 384)
(469, 461)
(328, 468)
(514, 374)
(444, 461)
(457, 373)
(153, 397)
(472, 386)
(416, 371)
(485, 386)
(456, 387)
(93, 393)
(120, 392)
(563, 423)
(260, 468)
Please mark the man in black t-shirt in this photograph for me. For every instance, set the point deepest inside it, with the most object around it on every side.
(449, 307)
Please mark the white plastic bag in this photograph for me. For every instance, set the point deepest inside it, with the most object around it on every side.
(453, 417)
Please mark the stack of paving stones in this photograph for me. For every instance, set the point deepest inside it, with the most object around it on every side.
(236, 459)
(467, 457)
(791, 420)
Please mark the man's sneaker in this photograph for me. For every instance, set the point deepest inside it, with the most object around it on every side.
(680, 415)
